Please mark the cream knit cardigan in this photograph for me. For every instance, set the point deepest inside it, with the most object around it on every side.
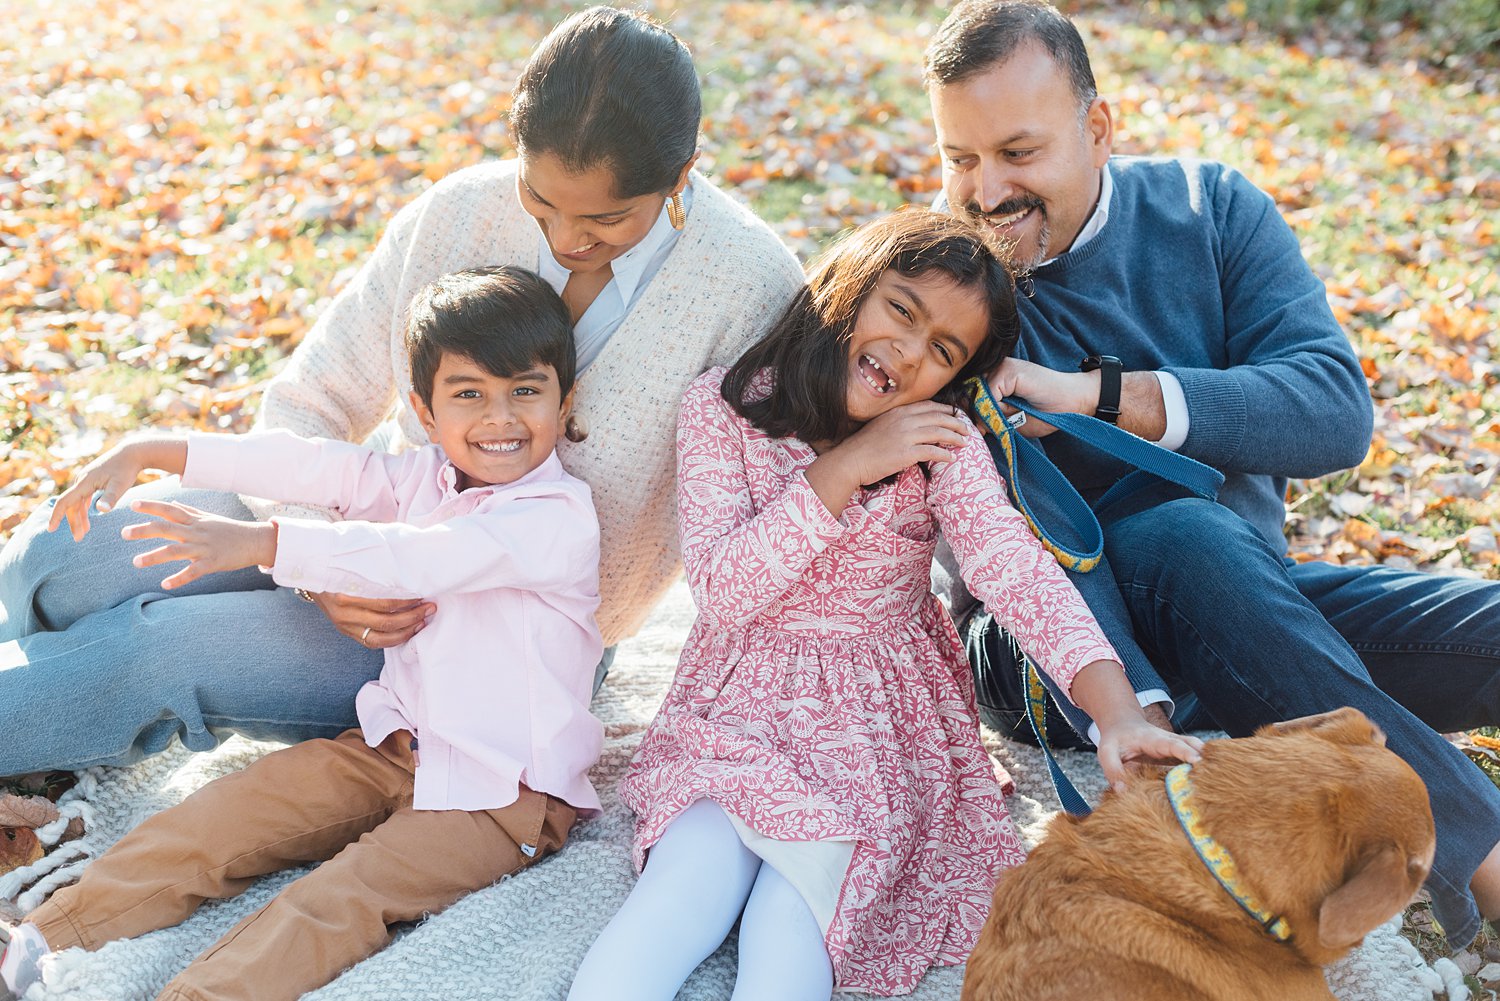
(722, 286)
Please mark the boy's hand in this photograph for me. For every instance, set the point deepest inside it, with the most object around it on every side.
(111, 475)
(903, 436)
(208, 542)
(1133, 740)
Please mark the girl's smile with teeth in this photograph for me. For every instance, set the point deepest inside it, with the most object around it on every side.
(875, 376)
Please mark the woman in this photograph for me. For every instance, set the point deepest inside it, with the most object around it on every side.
(664, 277)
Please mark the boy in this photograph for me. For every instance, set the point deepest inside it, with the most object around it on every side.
(494, 689)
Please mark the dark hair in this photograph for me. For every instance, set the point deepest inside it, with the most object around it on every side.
(807, 350)
(978, 34)
(613, 88)
(505, 319)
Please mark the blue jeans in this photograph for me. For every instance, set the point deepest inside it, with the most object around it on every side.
(1259, 638)
(99, 666)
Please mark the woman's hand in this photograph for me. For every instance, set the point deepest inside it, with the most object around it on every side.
(900, 437)
(208, 542)
(1132, 740)
(110, 475)
(377, 623)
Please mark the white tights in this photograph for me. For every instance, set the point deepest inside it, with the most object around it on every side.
(700, 877)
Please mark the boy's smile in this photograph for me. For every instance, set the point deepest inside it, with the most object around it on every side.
(494, 429)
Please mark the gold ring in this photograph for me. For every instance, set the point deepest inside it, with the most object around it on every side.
(365, 635)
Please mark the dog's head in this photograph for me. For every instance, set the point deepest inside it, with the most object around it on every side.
(1327, 826)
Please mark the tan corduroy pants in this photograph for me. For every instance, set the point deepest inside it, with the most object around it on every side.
(338, 802)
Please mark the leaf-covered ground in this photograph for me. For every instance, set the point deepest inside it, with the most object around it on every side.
(181, 191)
(183, 187)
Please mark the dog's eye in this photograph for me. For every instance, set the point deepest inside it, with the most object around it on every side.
(10, 834)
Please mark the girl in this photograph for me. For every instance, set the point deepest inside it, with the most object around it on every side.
(816, 770)
(663, 275)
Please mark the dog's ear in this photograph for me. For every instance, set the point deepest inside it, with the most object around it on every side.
(1380, 887)
(1342, 726)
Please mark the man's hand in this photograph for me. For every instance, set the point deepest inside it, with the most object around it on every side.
(1142, 411)
(208, 542)
(1156, 715)
(377, 623)
(1046, 390)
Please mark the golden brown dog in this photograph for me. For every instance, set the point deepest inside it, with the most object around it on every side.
(1327, 829)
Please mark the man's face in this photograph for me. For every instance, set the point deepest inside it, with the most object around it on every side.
(1017, 157)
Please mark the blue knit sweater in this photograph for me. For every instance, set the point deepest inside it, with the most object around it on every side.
(1197, 274)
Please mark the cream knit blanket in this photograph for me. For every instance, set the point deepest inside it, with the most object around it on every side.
(521, 939)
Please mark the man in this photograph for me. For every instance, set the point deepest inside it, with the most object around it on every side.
(1228, 353)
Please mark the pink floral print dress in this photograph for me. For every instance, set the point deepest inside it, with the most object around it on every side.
(823, 694)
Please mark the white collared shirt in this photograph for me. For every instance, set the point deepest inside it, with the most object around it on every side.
(632, 272)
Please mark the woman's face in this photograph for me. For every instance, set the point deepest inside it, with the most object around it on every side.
(911, 337)
(585, 225)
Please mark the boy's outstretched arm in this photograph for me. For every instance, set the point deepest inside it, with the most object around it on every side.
(113, 473)
(210, 543)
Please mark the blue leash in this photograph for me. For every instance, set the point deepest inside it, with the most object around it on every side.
(1026, 462)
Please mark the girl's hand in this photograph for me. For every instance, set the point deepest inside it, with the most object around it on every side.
(902, 436)
(111, 475)
(1132, 740)
(375, 622)
(208, 542)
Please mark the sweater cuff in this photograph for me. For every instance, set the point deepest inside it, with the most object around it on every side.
(1217, 411)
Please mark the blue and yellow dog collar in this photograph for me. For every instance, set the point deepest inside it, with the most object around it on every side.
(1215, 856)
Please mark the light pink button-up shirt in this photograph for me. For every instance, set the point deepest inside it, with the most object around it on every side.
(497, 685)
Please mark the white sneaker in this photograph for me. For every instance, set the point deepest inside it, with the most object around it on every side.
(21, 962)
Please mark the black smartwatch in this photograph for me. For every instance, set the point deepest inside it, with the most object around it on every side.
(1109, 385)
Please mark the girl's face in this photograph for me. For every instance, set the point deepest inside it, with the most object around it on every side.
(585, 225)
(911, 337)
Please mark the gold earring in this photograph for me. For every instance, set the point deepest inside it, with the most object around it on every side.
(676, 215)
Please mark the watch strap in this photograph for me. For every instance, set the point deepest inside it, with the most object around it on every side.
(1110, 369)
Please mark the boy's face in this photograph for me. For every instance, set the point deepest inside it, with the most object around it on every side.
(494, 429)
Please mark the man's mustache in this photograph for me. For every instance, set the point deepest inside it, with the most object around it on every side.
(1008, 207)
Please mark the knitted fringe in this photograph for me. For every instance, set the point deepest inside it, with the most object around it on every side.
(65, 863)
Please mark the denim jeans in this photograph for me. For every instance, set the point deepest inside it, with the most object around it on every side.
(99, 665)
(1258, 638)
